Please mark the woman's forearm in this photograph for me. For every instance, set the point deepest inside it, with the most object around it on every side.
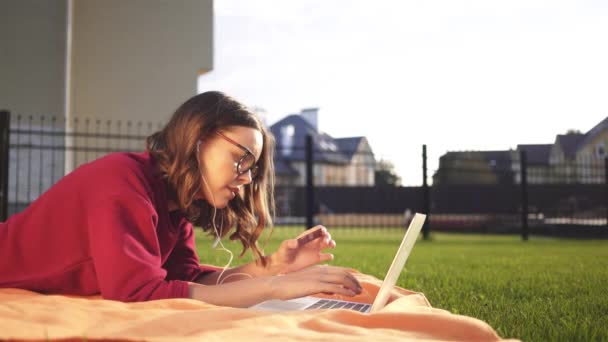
(250, 270)
(239, 294)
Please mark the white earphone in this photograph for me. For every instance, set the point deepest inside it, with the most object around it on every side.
(218, 239)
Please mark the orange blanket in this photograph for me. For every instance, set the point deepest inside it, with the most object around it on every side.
(26, 315)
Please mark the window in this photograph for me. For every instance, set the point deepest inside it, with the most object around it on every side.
(600, 151)
(326, 145)
(287, 133)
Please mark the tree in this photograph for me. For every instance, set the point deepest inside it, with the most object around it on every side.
(464, 168)
(385, 174)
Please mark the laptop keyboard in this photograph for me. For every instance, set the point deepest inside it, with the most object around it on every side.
(338, 304)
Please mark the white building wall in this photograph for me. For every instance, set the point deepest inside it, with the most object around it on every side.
(32, 56)
(138, 59)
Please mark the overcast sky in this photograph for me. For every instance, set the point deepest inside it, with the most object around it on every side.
(455, 75)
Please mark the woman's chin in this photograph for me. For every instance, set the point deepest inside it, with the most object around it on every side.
(219, 204)
(220, 201)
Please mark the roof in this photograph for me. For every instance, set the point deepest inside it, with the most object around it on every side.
(325, 148)
(500, 160)
(569, 143)
(348, 146)
(537, 154)
(597, 129)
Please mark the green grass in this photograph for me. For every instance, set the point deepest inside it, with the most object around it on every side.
(540, 290)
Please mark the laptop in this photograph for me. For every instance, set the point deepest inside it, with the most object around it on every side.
(310, 302)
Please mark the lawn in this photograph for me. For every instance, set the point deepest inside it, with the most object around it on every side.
(541, 290)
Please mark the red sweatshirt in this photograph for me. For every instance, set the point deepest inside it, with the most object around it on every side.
(104, 228)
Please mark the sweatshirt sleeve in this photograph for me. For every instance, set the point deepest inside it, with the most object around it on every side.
(126, 253)
(183, 263)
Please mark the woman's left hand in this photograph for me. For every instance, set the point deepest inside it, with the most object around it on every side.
(303, 251)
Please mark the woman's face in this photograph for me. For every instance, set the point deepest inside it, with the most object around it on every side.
(219, 156)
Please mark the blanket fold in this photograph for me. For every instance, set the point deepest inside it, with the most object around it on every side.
(26, 315)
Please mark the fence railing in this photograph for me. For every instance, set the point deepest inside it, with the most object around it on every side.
(338, 188)
(507, 196)
(39, 149)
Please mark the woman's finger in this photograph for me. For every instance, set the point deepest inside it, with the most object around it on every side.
(309, 236)
(337, 289)
(326, 257)
(328, 236)
(353, 280)
(289, 244)
(343, 279)
(328, 244)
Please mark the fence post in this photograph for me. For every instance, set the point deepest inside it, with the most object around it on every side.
(310, 191)
(5, 119)
(426, 197)
(524, 194)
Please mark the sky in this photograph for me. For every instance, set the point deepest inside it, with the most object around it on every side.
(454, 75)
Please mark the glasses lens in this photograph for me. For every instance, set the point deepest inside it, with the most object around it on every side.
(246, 164)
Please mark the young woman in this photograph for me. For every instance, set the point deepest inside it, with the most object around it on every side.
(122, 225)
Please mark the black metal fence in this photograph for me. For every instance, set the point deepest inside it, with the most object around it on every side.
(339, 188)
(508, 196)
(567, 198)
(36, 151)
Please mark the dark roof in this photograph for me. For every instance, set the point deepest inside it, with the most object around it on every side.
(348, 146)
(536, 154)
(324, 146)
(569, 143)
(328, 150)
(499, 159)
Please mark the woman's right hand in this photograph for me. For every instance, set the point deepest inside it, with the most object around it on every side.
(315, 279)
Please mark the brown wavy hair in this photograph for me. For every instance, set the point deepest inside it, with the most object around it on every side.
(174, 147)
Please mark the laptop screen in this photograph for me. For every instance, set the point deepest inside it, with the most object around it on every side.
(407, 244)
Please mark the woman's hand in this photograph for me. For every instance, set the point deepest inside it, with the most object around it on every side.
(303, 251)
(314, 279)
(309, 281)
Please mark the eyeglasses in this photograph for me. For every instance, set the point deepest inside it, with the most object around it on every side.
(247, 162)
